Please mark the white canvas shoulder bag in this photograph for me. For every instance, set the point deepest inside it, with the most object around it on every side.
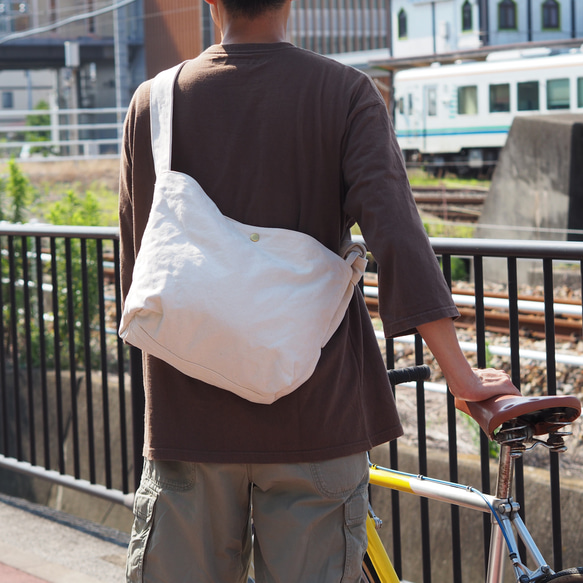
(247, 309)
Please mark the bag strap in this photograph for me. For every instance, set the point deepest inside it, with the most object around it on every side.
(161, 109)
(161, 105)
(354, 253)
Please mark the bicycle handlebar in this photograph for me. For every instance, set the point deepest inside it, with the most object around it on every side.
(409, 374)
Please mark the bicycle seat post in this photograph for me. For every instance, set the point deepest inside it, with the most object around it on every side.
(505, 472)
(503, 491)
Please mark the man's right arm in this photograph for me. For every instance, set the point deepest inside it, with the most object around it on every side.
(464, 382)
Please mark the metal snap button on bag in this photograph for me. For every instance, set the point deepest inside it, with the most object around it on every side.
(201, 298)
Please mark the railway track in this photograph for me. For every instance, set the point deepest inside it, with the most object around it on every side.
(451, 203)
(568, 314)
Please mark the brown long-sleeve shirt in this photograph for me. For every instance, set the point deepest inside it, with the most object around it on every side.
(281, 137)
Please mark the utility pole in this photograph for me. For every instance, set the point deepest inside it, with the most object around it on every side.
(122, 69)
(73, 62)
(433, 27)
(484, 23)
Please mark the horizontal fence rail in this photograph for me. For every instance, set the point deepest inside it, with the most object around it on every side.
(64, 134)
(513, 262)
(64, 385)
(71, 395)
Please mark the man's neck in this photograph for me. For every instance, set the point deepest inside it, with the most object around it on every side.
(270, 27)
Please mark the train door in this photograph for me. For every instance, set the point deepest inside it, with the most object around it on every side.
(407, 118)
(429, 114)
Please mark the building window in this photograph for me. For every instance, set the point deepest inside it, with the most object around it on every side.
(528, 96)
(499, 98)
(467, 23)
(580, 92)
(558, 94)
(507, 15)
(551, 14)
(467, 100)
(7, 100)
(402, 23)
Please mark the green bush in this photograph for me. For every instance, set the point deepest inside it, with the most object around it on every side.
(15, 194)
(76, 210)
(39, 119)
(77, 295)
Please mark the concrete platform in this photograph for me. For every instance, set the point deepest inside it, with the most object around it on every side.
(42, 545)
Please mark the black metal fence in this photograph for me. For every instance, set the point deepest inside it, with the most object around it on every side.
(65, 391)
(71, 403)
(512, 264)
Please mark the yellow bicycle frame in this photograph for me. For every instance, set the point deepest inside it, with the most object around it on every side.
(420, 486)
(376, 550)
(378, 556)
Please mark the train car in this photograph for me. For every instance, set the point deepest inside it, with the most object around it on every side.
(457, 117)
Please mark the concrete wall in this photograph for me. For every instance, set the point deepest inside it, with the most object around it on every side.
(538, 518)
(59, 497)
(537, 188)
(538, 182)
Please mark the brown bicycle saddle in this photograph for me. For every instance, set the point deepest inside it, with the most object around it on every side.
(544, 414)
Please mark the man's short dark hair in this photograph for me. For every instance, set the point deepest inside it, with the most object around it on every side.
(251, 8)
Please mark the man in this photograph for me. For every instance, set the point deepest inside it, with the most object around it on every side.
(281, 137)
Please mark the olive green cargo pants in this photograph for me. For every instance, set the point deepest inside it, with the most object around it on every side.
(193, 522)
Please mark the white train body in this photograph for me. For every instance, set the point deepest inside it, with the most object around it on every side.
(462, 113)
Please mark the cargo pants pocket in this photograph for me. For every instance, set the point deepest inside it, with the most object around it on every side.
(162, 486)
(355, 513)
(345, 480)
(144, 503)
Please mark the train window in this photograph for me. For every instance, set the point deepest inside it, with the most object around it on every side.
(410, 103)
(580, 92)
(467, 23)
(558, 94)
(528, 96)
(507, 15)
(431, 101)
(401, 105)
(499, 97)
(467, 100)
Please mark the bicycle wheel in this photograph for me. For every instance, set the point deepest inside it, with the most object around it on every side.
(574, 575)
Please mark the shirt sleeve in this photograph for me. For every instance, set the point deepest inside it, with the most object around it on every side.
(412, 289)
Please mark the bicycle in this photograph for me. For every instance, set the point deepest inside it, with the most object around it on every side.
(516, 424)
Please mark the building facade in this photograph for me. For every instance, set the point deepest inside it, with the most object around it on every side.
(120, 47)
(120, 44)
(25, 89)
(425, 27)
(339, 26)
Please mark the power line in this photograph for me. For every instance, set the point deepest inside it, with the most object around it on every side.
(71, 19)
